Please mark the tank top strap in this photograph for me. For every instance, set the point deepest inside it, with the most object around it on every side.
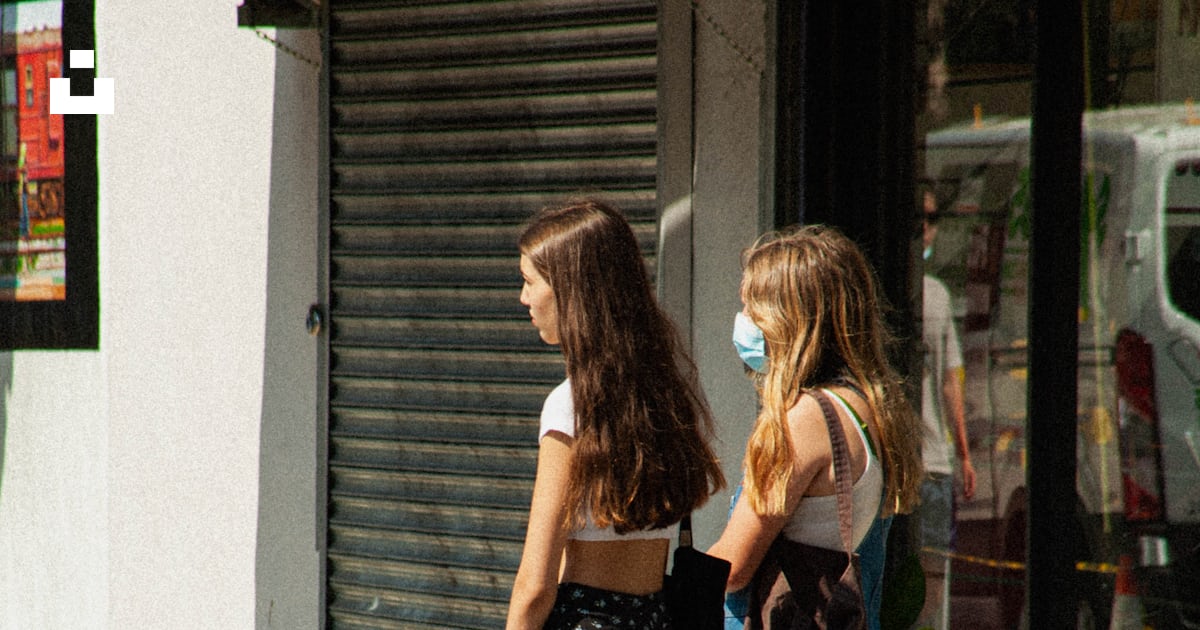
(866, 433)
(851, 384)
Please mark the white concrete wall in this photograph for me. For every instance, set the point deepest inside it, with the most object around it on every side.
(129, 481)
(53, 490)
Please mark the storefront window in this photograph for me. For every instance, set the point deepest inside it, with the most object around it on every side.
(1137, 493)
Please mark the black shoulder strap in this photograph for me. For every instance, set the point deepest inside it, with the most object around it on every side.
(685, 531)
(851, 384)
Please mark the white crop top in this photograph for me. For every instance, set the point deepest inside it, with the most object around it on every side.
(558, 414)
(815, 521)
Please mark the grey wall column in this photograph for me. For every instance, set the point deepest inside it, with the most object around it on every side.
(714, 155)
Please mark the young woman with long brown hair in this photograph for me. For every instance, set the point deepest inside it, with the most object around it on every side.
(623, 452)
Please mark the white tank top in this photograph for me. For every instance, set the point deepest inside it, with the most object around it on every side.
(815, 521)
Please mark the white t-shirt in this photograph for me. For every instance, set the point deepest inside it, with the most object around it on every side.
(942, 352)
(558, 414)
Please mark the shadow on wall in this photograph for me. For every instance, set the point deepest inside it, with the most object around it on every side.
(287, 561)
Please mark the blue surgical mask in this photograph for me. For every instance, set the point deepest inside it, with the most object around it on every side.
(927, 252)
(750, 344)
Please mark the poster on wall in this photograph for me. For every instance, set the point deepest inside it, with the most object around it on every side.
(48, 266)
(32, 222)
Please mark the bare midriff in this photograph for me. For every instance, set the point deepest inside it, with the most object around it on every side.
(625, 566)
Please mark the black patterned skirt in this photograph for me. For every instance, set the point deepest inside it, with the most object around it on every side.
(579, 607)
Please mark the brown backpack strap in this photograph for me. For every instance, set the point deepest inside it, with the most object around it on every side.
(842, 471)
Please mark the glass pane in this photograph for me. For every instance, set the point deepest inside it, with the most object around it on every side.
(1183, 238)
(1138, 366)
(32, 226)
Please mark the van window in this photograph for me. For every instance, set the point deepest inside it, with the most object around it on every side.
(1183, 270)
(1182, 238)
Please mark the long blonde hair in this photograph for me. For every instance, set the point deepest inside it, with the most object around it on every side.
(814, 295)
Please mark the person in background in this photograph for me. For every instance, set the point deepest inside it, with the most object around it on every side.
(942, 411)
(624, 449)
(812, 320)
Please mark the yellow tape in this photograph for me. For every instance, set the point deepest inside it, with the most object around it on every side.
(1091, 567)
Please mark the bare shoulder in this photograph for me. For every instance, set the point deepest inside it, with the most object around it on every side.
(809, 436)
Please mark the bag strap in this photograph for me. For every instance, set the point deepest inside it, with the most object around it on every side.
(842, 470)
(685, 531)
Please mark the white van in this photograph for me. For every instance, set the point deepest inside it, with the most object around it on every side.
(1138, 484)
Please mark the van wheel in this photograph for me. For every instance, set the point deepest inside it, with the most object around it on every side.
(1012, 584)
(1095, 603)
(1085, 616)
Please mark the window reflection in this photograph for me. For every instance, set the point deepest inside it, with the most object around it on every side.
(1138, 420)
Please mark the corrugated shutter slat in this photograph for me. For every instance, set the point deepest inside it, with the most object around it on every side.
(450, 124)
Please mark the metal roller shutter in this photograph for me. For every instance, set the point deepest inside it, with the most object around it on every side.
(449, 124)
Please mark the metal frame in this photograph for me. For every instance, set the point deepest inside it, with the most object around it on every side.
(280, 13)
(1056, 152)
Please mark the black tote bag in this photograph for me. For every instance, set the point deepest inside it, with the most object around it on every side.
(695, 589)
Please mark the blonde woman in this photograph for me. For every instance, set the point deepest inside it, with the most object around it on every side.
(812, 321)
(624, 451)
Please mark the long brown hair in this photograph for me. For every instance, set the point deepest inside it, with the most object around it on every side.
(641, 457)
(814, 295)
